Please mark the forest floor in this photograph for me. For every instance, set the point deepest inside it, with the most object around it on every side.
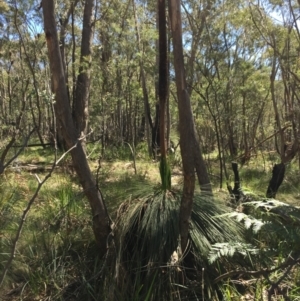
(61, 207)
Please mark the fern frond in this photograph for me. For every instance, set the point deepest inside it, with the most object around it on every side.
(276, 223)
(247, 220)
(276, 211)
(229, 249)
(266, 204)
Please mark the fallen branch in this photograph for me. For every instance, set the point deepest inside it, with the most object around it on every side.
(289, 263)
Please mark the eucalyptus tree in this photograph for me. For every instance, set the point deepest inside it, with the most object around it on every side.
(32, 57)
(190, 149)
(81, 101)
(101, 221)
(196, 14)
(147, 117)
(227, 78)
(281, 35)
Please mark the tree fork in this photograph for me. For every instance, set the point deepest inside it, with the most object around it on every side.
(101, 221)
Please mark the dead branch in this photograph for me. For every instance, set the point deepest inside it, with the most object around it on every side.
(287, 264)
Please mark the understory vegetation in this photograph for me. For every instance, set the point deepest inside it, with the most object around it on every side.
(245, 250)
(149, 150)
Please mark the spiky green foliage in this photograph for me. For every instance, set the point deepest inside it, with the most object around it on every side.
(209, 224)
(147, 236)
(147, 240)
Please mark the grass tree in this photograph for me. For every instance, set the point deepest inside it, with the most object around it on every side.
(149, 264)
(147, 223)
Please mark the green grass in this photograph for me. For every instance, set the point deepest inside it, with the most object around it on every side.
(36, 155)
(255, 178)
(56, 255)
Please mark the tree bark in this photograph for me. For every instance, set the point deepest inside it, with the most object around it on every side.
(81, 103)
(163, 75)
(147, 113)
(276, 180)
(236, 192)
(101, 221)
(190, 149)
(156, 132)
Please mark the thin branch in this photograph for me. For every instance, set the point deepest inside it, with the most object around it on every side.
(289, 263)
(19, 151)
(264, 140)
(26, 211)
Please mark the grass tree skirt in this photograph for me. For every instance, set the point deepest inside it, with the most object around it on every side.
(149, 264)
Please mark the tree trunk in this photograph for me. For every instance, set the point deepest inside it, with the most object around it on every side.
(147, 113)
(155, 132)
(163, 75)
(236, 192)
(80, 108)
(190, 149)
(287, 152)
(101, 221)
(163, 88)
(276, 180)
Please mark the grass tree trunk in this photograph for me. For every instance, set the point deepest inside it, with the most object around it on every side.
(163, 92)
(101, 221)
(189, 145)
